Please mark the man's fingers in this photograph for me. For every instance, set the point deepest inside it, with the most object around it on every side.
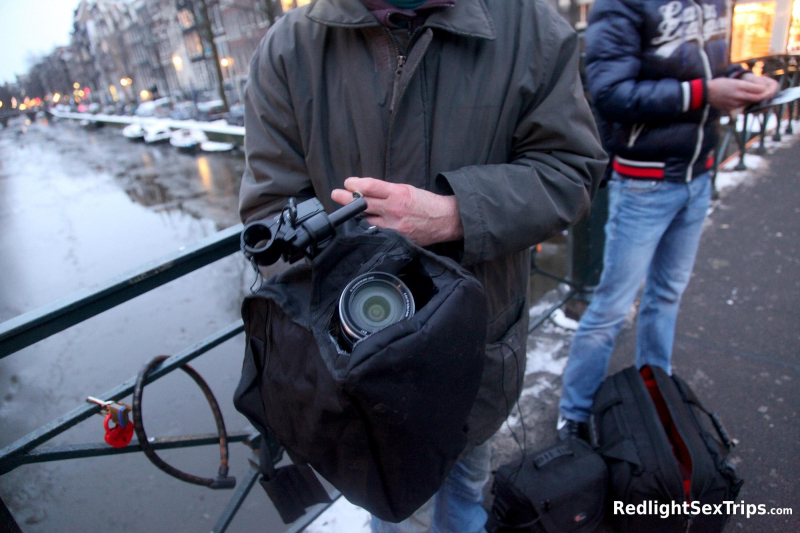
(749, 87)
(375, 206)
(340, 196)
(369, 187)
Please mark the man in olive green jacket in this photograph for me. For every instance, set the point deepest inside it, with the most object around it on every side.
(467, 131)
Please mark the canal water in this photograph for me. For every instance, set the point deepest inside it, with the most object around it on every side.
(78, 207)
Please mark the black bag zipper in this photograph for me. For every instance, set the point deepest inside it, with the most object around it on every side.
(665, 458)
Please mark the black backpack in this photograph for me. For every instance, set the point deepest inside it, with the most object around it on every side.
(561, 489)
(662, 446)
(385, 423)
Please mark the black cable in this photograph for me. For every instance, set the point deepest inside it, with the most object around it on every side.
(222, 481)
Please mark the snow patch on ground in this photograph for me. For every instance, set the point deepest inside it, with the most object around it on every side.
(541, 356)
(563, 321)
(541, 385)
(728, 178)
(341, 517)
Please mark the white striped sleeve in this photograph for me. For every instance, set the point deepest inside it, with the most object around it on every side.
(686, 88)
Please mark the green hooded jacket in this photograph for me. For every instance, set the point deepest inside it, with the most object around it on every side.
(488, 106)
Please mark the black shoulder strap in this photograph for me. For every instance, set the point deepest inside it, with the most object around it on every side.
(292, 489)
(552, 453)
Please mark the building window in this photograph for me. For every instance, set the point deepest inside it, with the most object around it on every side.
(186, 19)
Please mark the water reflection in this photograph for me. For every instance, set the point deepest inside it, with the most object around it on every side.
(205, 173)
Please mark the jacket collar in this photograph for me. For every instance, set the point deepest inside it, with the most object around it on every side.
(469, 18)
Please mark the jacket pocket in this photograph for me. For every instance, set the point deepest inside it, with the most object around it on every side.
(501, 382)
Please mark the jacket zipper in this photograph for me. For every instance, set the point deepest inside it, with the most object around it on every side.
(401, 61)
(707, 68)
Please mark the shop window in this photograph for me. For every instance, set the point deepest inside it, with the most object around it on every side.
(794, 29)
(752, 30)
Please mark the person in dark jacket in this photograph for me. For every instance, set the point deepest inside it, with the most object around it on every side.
(465, 126)
(658, 73)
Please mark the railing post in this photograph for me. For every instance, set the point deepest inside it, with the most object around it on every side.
(585, 245)
(743, 142)
(761, 150)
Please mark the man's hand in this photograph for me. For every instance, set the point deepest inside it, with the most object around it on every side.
(727, 94)
(424, 217)
(769, 86)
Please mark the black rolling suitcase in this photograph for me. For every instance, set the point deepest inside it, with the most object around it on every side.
(663, 448)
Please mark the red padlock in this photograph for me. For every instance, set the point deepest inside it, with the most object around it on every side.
(118, 436)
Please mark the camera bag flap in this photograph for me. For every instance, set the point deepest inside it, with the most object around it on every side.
(561, 489)
(384, 423)
(661, 445)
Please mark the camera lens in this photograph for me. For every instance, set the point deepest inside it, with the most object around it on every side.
(372, 302)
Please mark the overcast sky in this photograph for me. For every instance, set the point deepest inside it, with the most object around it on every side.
(31, 27)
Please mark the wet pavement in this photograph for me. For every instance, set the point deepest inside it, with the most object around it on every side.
(76, 208)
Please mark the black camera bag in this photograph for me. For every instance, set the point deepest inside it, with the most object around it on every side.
(661, 445)
(561, 489)
(385, 423)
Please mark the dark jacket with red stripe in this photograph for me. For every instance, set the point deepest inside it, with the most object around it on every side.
(647, 63)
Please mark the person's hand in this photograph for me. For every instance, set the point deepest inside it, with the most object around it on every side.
(768, 85)
(424, 217)
(727, 94)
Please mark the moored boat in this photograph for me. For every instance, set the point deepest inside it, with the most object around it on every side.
(157, 133)
(211, 146)
(188, 140)
(134, 132)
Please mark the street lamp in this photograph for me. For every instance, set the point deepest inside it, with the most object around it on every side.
(76, 85)
(226, 62)
(178, 62)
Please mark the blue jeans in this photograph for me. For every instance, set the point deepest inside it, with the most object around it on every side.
(653, 232)
(456, 508)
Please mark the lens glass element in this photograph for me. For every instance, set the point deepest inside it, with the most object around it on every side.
(372, 302)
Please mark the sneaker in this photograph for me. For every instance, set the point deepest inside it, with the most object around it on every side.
(570, 429)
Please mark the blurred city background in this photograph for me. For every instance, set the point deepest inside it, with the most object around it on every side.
(182, 53)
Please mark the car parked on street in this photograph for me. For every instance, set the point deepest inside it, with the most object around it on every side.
(211, 111)
(235, 116)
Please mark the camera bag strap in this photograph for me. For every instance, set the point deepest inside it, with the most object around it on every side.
(292, 489)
